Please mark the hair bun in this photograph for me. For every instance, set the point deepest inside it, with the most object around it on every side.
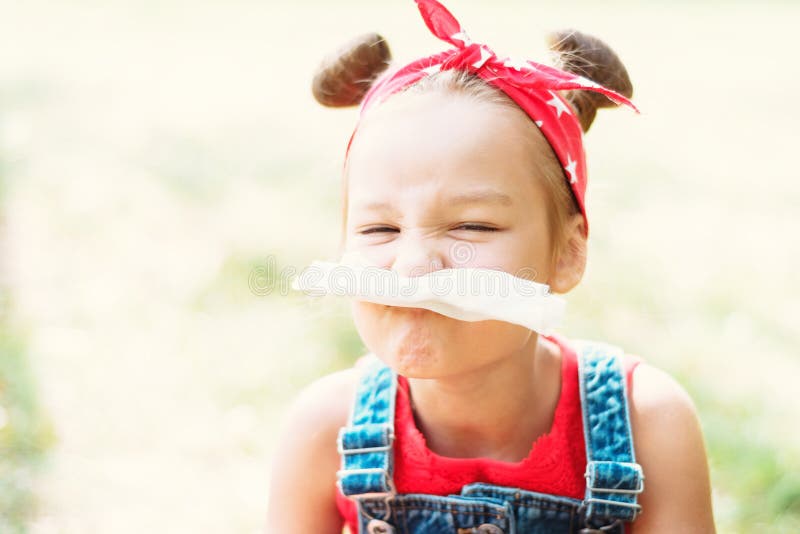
(345, 76)
(588, 56)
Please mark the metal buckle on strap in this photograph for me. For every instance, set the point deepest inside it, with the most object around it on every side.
(352, 467)
(640, 476)
(592, 490)
(341, 473)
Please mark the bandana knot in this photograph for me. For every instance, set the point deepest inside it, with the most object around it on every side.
(470, 58)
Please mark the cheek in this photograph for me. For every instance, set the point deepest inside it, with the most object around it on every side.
(519, 254)
(378, 255)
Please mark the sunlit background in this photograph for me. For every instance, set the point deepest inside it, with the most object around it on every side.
(163, 162)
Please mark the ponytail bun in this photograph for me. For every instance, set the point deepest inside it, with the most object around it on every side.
(588, 56)
(345, 76)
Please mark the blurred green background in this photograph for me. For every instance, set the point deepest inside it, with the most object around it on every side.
(161, 161)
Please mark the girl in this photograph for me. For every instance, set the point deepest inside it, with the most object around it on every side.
(452, 426)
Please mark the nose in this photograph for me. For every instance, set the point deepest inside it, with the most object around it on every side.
(416, 256)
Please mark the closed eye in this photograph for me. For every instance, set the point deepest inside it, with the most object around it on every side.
(378, 229)
(473, 227)
(476, 227)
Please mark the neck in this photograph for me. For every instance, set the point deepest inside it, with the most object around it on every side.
(496, 411)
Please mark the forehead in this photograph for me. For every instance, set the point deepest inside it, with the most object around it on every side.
(418, 143)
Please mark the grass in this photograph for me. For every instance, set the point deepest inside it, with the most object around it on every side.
(25, 435)
(758, 477)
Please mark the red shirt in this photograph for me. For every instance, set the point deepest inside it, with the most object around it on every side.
(555, 465)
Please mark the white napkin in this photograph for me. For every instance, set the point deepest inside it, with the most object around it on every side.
(464, 293)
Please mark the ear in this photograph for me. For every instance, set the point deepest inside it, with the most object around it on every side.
(571, 261)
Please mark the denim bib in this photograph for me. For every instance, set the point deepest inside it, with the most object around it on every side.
(613, 478)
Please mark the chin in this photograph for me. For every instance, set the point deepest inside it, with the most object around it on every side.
(412, 341)
(415, 360)
(416, 341)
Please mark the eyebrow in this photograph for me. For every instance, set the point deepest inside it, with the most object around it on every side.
(481, 195)
(488, 196)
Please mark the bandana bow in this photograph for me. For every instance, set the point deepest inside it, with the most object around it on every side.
(530, 84)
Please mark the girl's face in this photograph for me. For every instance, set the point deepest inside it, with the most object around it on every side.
(440, 181)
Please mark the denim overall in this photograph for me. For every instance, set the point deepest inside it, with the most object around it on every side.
(613, 477)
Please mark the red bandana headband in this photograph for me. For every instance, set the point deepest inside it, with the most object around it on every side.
(531, 85)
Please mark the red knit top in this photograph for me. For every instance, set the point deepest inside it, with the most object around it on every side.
(555, 465)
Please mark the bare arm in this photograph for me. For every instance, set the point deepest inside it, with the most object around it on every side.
(669, 446)
(302, 495)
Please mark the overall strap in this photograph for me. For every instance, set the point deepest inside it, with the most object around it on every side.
(365, 444)
(613, 478)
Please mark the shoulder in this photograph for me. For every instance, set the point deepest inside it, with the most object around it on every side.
(655, 393)
(312, 421)
(663, 417)
(669, 445)
(305, 461)
(664, 420)
(322, 407)
(325, 402)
